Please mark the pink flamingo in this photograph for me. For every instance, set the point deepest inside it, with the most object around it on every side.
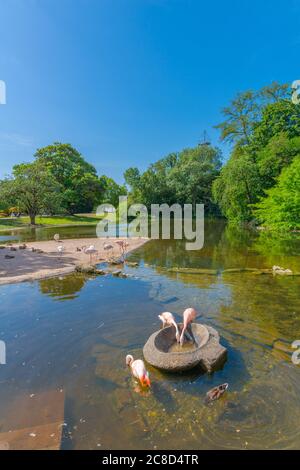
(168, 320)
(107, 247)
(123, 244)
(91, 250)
(189, 316)
(138, 370)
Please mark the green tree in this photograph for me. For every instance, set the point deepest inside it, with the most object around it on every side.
(280, 209)
(237, 186)
(32, 189)
(240, 118)
(184, 177)
(82, 189)
(112, 191)
(280, 117)
(244, 112)
(191, 178)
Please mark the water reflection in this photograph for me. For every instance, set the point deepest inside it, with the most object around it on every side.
(63, 287)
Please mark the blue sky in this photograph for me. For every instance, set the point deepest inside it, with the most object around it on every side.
(128, 81)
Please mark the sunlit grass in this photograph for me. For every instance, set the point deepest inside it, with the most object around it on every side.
(82, 219)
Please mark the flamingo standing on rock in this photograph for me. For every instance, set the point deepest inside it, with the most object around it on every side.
(189, 316)
(168, 320)
(138, 370)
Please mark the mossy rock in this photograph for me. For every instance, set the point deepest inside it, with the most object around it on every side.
(212, 272)
(89, 270)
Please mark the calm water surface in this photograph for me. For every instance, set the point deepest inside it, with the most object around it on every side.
(70, 335)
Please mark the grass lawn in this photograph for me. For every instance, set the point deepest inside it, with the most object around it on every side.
(86, 219)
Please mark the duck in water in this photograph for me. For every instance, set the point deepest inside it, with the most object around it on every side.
(216, 392)
(168, 320)
(138, 370)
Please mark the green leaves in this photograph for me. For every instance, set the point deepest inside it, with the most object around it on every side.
(81, 185)
(184, 177)
(33, 189)
(280, 209)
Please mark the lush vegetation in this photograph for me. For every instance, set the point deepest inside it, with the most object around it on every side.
(259, 183)
(264, 128)
(185, 178)
(58, 181)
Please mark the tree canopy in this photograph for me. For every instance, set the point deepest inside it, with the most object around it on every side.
(263, 148)
(280, 209)
(82, 189)
(183, 177)
(32, 189)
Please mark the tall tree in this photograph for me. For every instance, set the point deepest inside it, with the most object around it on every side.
(82, 187)
(32, 189)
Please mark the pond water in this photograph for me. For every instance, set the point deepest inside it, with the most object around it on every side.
(70, 336)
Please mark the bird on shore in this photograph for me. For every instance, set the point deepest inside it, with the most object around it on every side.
(138, 370)
(189, 316)
(60, 249)
(108, 247)
(90, 250)
(56, 237)
(168, 320)
(123, 244)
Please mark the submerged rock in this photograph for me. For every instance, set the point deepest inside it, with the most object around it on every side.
(193, 271)
(119, 273)
(132, 264)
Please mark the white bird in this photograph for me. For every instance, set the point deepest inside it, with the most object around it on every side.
(168, 320)
(107, 247)
(189, 316)
(60, 249)
(138, 370)
(56, 237)
(90, 250)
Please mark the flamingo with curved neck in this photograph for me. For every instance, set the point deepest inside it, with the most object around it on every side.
(168, 320)
(189, 316)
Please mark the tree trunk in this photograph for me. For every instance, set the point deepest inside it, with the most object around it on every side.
(32, 219)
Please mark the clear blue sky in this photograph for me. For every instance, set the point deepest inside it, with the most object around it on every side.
(128, 81)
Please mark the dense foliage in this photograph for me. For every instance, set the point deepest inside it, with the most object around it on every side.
(32, 189)
(265, 130)
(59, 181)
(280, 209)
(82, 188)
(185, 178)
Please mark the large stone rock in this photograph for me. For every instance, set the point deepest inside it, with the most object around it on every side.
(208, 354)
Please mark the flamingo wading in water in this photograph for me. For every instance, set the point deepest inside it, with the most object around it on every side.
(168, 320)
(138, 370)
(189, 316)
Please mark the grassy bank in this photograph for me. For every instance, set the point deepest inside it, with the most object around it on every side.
(22, 222)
